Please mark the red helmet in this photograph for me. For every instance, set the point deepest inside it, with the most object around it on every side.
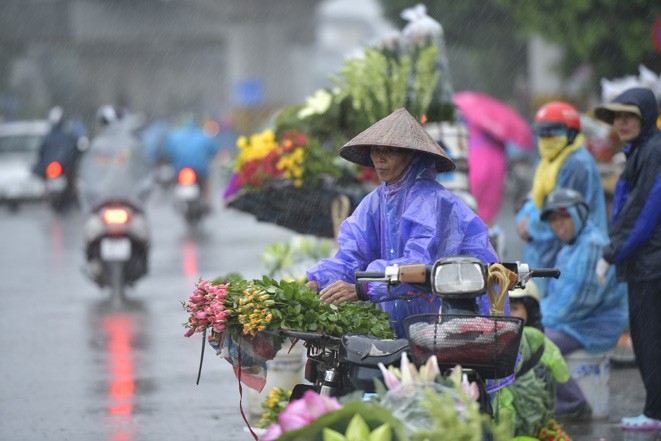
(559, 112)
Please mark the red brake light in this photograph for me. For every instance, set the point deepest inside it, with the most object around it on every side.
(187, 176)
(53, 170)
(115, 216)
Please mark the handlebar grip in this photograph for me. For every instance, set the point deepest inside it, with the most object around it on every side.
(413, 273)
(545, 272)
(369, 275)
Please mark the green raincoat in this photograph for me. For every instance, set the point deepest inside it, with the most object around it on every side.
(530, 400)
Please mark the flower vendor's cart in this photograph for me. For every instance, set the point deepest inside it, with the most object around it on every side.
(292, 176)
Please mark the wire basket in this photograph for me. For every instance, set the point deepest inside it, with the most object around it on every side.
(305, 210)
(487, 344)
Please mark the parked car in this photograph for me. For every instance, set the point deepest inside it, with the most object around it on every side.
(19, 147)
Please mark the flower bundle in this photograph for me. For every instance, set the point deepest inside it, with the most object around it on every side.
(247, 307)
(295, 158)
(273, 405)
(207, 308)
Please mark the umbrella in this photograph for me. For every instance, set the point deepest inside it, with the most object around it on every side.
(495, 118)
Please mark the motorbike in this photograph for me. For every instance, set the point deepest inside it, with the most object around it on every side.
(114, 183)
(116, 246)
(188, 198)
(60, 191)
(485, 346)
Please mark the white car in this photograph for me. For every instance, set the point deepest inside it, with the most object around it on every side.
(19, 148)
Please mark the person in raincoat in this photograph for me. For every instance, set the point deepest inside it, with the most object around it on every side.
(189, 146)
(635, 242)
(530, 399)
(577, 311)
(564, 163)
(410, 218)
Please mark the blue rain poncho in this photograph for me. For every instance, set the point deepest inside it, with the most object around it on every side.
(576, 304)
(579, 172)
(415, 220)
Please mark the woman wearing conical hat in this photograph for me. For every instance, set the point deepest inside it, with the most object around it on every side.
(410, 218)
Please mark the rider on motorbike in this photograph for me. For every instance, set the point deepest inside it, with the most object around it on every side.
(189, 146)
(115, 165)
(410, 218)
(113, 170)
(60, 145)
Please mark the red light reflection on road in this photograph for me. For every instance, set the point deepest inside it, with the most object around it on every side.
(58, 245)
(190, 259)
(119, 331)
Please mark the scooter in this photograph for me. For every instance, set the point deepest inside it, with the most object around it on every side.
(485, 346)
(188, 198)
(60, 191)
(116, 246)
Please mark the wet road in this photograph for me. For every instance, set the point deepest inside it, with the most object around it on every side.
(73, 368)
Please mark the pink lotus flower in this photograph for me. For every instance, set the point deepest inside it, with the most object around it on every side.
(301, 412)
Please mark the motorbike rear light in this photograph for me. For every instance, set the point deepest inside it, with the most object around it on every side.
(53, 170)
(187, 176)
(115, 216)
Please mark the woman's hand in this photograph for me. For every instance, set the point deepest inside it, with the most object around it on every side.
(339, 292)
(313, 285)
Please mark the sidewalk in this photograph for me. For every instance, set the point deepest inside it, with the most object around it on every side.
(627, 397)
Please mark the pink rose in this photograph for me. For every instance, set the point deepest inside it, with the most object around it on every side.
(319, 404)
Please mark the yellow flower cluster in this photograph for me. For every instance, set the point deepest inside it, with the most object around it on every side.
(257, 147)
(292, 166)
(254, 312)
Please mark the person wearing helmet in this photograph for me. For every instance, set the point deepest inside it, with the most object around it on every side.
(60, 144)
(530, 399)
(106, 115)
(635, 242)
(188, 145)
(410, 218)
(564, 162)
(577, 311)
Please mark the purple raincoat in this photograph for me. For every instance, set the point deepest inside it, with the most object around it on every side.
(415, 220)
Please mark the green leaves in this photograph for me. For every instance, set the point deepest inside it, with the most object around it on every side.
(358, 430)
(295, 307)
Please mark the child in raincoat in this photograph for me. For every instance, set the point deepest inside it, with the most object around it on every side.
(578, 312)
(530, 400)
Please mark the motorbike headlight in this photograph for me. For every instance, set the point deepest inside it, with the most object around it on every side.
(459, 277)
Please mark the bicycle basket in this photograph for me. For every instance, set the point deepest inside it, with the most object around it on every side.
(487, 344)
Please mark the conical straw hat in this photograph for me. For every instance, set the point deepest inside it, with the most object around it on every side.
(401, 130)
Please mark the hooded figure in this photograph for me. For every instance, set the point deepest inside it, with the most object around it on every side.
(576, 304)
(408, 219)
(635, 245)
(577, 311)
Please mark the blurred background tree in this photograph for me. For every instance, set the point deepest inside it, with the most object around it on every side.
(487, 39)
(482, 53)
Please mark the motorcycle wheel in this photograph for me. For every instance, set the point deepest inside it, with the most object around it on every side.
(117, 282)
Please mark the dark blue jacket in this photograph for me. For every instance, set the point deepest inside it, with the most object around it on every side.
(59, 145)
(635, 246)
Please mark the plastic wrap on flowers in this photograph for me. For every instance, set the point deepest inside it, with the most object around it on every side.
(487, 344)
(248, 356)
(305, 210)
